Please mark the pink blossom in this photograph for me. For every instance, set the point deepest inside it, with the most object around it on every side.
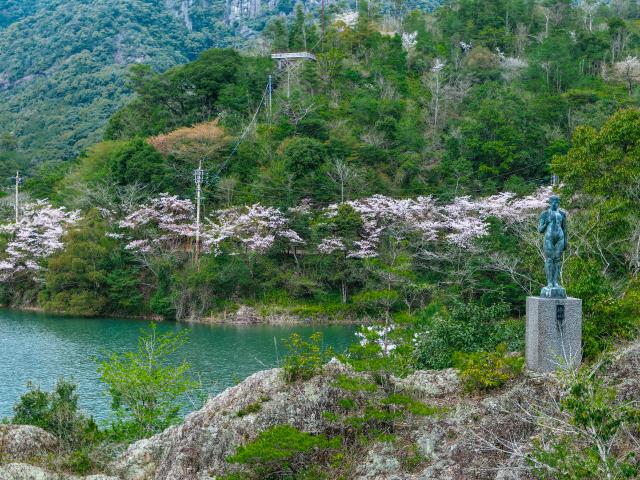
(37, 236)
(164, 222)
(254, 227)
(330, 245)
(459, 223)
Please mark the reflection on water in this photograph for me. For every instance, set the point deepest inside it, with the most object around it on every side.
(42, 348)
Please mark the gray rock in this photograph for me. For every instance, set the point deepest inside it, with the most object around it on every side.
(427, 384)
(380, 463)
(427, 443)
(22, 471)
(247, 315)
(441, 470)
(199, 447)
(24, 442)
(465, 441)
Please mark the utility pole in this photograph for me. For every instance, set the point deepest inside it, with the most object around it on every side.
(270, 93)
(18, 179)
(198, 177)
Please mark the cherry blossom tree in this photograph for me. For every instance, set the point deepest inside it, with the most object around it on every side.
(409, 41)
(519, 217)
(628, 70)
(460, 222)
(255, 228)
(33, 239)
(165, 223)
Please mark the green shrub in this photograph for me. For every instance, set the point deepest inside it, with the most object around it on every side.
(353, 384)
(608, 316)
(466, 328)
(382, 350)
(305, 358)
(283, 452)
(376, 419)
(347, 403)
(79, 461)
(580, 437)
(412, 459)
(330, 416)
(56, 412)
(585, 280)
(611, 319)
(410, 405)
(488, 370)
(145, 385)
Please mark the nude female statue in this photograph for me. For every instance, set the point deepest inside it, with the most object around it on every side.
(553, 224)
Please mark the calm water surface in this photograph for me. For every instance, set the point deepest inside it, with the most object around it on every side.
(42, 348)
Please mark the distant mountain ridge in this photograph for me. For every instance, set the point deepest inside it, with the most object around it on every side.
(13, 10)
(63, 62)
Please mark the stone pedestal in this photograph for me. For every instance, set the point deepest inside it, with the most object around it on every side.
(554, 333)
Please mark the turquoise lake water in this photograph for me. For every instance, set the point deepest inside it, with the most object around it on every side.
(42, 348)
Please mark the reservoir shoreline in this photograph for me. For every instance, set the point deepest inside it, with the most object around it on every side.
(238, 317)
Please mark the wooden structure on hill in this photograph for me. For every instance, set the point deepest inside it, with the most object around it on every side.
(285, 58)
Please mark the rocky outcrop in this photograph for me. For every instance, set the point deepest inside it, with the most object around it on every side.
(467, 441)
(241, 9)
(22, 471)
(198, 448)
(200, 445)
(181, 9)
(248, 9)
(247, 315)
(25, 442)
(479, 437)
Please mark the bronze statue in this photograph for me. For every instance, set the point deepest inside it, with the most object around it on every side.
(553, 223)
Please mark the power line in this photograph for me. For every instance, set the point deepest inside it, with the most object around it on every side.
(246, 130)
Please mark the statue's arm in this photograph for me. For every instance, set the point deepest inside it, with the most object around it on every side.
(544, 220)
(564, 229)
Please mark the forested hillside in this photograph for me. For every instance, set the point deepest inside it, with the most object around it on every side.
(63, 62)
(395, 179)
(13, 10)
(398, 177)
(62, 67)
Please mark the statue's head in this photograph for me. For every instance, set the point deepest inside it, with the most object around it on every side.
(554, 202)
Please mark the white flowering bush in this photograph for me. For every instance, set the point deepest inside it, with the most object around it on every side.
(377, 335)
(254, 228)
(459, 223)
(386, 349)
(165, 222)
(34, 238)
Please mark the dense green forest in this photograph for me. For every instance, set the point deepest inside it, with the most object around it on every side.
(369, 183)
(63, 62)
(63, 67)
